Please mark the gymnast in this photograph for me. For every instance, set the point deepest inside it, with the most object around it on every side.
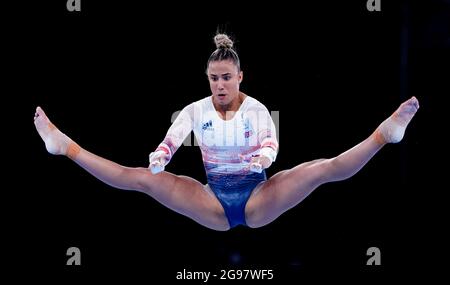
(237, 138)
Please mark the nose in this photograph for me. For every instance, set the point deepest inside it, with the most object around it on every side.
(220, 85)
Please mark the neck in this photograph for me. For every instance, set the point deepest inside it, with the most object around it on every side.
(232, 107)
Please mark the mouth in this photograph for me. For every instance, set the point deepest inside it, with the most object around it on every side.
(221, 95)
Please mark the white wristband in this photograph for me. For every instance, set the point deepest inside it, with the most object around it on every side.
(268, 152)
(158, 160)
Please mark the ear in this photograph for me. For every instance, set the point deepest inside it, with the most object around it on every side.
(241, 76)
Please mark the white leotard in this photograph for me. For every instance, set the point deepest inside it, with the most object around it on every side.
(226, 145)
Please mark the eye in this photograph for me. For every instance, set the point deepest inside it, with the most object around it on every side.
(226, 77)
(213, 78)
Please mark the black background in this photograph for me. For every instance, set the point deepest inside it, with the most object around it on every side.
(111, 76)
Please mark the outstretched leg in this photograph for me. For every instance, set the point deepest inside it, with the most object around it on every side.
(288, 188)
(179, 193)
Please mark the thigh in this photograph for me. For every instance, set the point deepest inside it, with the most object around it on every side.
(283, 191)
(186, 196)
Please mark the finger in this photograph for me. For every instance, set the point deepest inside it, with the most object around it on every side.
(256, 167)
(162, 160)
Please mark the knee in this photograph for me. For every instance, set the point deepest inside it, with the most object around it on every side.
(321, 170)
(147, 182)
(334, 170)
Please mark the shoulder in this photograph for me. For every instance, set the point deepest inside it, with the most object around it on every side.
(202, 103)
(197, 110)
(252, 104)
(199, 104)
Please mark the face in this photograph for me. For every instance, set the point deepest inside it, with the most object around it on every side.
(224, 79)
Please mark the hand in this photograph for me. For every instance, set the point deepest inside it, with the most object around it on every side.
(158, 160)
(259, 163)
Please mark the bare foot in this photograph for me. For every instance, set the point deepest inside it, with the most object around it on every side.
(55, 141)
(393, 128)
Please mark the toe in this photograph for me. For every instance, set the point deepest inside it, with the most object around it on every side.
(415, 102)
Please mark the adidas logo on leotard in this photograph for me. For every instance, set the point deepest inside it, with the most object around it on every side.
(208, 126)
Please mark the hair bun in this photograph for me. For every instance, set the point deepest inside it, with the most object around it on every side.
(223, 41)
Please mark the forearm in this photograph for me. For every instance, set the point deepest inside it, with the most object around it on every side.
(177, 133)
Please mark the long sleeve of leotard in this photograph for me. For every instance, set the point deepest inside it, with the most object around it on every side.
(178, 131)
(265, 130)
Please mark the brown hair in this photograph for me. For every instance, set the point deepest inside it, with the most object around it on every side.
(224, 51)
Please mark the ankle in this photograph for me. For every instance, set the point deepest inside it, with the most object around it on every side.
(379, 137)
(73, 149)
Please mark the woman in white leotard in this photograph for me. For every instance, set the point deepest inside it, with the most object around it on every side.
(238, 141)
